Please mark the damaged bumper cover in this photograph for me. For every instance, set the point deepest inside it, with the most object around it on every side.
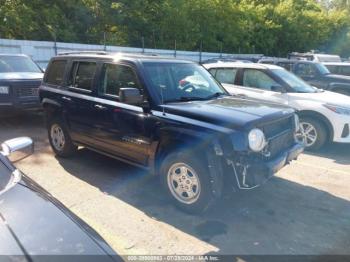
(251, 172)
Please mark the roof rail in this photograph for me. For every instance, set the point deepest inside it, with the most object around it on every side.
(84, 52)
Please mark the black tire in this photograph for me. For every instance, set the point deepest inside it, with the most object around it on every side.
(68, 148)
(321, 130)
(205, 199)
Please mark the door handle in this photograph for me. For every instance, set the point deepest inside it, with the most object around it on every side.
(100, 107)
(242, 95)
(67, 98)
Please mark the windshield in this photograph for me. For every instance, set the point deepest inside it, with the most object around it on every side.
(322, 69)
(175, 82)
(10, 64)
(295, 83)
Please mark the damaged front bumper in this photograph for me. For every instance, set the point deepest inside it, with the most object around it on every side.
(251, 171)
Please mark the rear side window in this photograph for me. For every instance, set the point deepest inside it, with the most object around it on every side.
(55, 72)
(115, 77)
(226, 75)
(82, 75)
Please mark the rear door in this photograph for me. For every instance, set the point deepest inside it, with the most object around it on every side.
(79, 100)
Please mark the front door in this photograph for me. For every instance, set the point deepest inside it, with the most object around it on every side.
(121, 129)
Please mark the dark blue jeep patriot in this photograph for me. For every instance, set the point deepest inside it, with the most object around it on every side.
(168, 116)
(20, 78)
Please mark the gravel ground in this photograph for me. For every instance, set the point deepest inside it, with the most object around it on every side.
(305, 209)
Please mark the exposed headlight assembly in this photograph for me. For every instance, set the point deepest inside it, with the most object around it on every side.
(338, 109)
(4, 90)
(256, 139)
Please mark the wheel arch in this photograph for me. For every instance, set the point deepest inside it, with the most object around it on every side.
(320, 117)
(209, 150)
(51, 107)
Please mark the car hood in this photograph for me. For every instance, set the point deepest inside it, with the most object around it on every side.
(34, 223)
(21, 76)
(230, 112)
(340, 78)
(324, 97)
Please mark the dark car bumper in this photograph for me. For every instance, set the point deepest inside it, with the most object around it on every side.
(10, 103)
(258, 170)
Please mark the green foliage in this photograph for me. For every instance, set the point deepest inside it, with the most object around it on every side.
(273, 27)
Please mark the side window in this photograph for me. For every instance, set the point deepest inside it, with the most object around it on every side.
(332, 68)
(344, 70)
(287, 66)
(82, 75)
(305, 70)
(55, 73)
(212, 71)
(226, 75)
(115, 77)
(258, 79)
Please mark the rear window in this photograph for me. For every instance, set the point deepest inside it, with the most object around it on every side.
(55, 73)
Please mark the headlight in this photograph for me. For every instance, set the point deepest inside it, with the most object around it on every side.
(256, 139)
(296, 123)
(4, 90)
(338, 109)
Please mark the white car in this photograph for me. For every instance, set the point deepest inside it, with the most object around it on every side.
(324, 116)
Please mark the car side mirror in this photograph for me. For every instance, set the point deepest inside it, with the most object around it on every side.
(130, 95)
(278, 88)
(18, 148)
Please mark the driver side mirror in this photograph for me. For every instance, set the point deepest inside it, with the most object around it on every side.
(130, 96)
(18, 148)
(278, 88)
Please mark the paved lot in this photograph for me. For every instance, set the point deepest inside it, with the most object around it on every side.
(305, 209)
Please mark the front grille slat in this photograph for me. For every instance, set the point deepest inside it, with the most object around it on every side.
(27, 92)
(24, 89)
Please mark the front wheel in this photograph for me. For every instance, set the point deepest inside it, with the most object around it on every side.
(187, 182)
(312, 133)
(59, 138)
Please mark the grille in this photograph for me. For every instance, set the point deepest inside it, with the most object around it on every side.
(280, 135)
(277, 127)
(280, 143)
(27, 91)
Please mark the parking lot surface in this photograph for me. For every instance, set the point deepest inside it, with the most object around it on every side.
(305, 209)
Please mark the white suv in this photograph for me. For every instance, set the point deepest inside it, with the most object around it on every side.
(324, 116)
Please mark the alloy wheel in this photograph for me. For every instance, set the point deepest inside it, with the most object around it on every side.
(184, 183)
(307, 134)
(57, 137)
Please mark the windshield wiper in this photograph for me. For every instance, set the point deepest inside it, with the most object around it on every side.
(215, 95)
(185, 99)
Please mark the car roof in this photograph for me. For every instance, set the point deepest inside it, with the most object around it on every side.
(123, 56)
(241, 65)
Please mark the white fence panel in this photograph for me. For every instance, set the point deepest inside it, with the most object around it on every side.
(42, 51)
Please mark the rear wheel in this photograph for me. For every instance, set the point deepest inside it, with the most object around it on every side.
(59, 138)
(186, 180)
(312, 133)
